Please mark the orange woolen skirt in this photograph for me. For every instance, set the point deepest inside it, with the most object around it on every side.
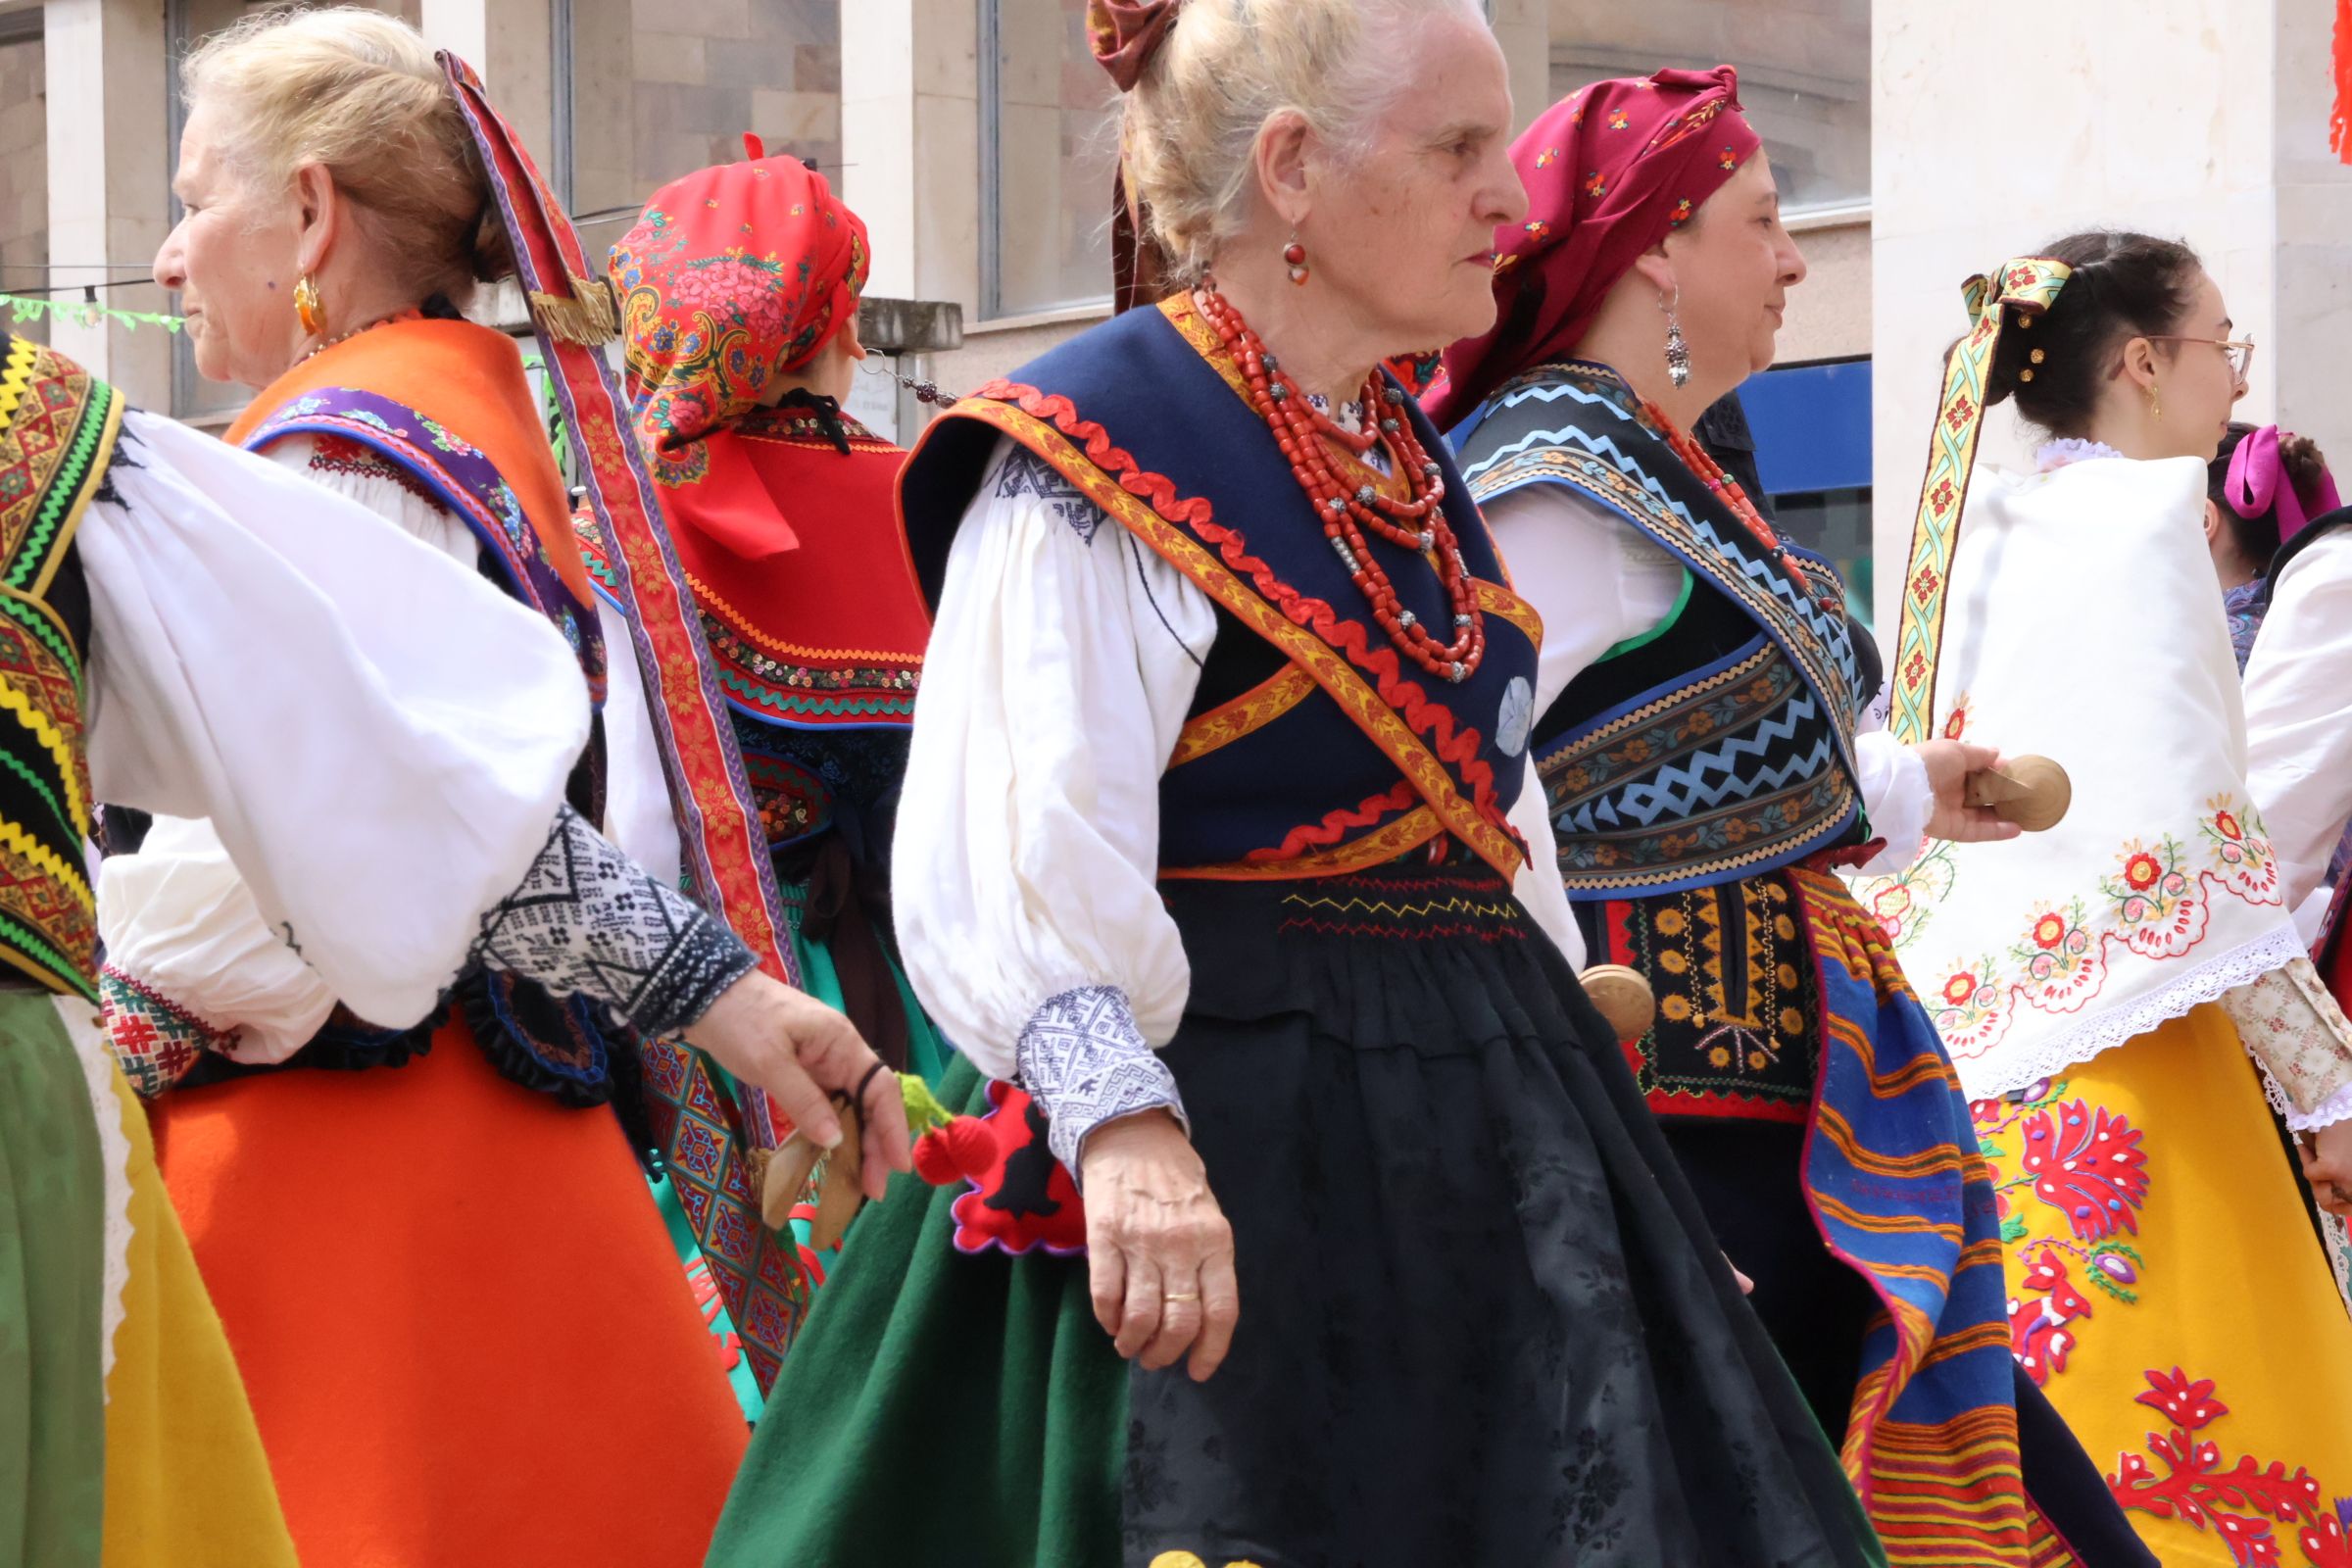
(466, 1334)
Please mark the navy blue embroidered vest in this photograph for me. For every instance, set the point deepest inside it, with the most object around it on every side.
(1723, 750)
(1313, 747)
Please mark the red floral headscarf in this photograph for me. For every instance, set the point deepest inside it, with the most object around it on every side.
(733, 276)
(1609, 174)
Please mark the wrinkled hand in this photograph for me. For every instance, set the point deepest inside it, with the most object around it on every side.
(1158, 1250)
(2327, 1156)
(1949, 764)
(797, 1049)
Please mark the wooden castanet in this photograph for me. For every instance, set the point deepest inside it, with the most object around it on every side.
(1622, 998)
(2032, 792)
(843, 1193)
(839, 1196)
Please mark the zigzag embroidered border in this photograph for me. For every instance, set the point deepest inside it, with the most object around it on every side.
(58, 431)
(1616, 479)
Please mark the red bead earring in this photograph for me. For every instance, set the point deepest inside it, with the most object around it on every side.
(1295, 254)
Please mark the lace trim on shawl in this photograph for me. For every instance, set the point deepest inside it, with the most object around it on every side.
(113, 1158)
(2053, 456)
(2072, 1048)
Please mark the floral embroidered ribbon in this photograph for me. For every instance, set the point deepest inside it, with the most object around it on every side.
(721, 833)
(2028, 286)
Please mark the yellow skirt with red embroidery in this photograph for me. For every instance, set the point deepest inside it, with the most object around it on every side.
(2167, 1293)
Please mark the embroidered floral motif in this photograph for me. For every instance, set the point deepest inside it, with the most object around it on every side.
(1905, 904)
(1971, 1009)
(2064, 965)
(1738, 1004)
(2086, 1163)
(2160, 912)
(1016, 1195)
(2157, 902)
(2244, 858)
(2243, 1502)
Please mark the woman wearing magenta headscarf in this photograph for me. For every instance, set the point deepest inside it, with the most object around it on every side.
(1698, 706)
(1325, 1225)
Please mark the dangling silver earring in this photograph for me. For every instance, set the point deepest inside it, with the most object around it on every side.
(1678, 352)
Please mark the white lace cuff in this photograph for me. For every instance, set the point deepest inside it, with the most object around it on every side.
(1897, 800)
(1085, 1062)
(2334, 1108)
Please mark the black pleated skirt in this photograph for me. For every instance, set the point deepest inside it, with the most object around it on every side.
(1481, 1322)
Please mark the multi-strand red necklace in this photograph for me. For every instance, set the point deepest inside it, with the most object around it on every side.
(1346, 509)
(1698, 459)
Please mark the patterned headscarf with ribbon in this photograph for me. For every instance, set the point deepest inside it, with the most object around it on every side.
(2258, 482)
(735, 275)
(2016, 293)
(1609, 173)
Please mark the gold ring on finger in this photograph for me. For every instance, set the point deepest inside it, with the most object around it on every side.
(1182, 1296)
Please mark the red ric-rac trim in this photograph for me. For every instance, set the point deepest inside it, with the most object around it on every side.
(1335, 824)
(1404, 723)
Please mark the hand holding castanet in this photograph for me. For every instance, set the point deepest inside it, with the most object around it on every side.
(2032, 792)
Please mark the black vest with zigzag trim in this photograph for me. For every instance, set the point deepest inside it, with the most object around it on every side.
(58, 430)
(1723, 749)
(1335, 755)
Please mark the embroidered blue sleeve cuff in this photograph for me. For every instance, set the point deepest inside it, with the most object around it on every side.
(1084, 1060)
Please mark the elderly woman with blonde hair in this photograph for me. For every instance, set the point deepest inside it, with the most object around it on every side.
(465, 1336)
(1210, 845)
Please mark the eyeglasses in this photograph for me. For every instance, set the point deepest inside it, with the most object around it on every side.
(2240, 354)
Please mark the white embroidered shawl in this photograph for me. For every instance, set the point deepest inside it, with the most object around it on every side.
(2085, 624)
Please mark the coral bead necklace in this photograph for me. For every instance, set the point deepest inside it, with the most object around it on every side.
(1697, 458)
(1417, 522)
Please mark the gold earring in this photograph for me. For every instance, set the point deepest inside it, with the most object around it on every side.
(2155, 403)
(306, 304)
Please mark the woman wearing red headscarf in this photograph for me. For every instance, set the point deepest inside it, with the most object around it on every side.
(1696, 745)
(738, 292)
